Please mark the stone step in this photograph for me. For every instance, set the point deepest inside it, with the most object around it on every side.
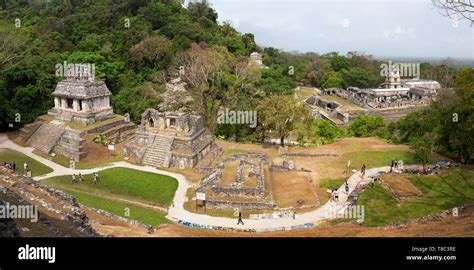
(45, 137)
(28, 130)
(156, 153)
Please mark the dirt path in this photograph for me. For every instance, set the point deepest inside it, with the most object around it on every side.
(177, 212)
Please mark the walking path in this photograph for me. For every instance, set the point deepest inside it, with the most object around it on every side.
(177, 212)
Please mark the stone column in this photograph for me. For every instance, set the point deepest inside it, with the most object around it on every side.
(57, 103)
(86, 105)
(64, 103)
(75, 105)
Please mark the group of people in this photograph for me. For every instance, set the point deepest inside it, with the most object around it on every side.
(74, 179)
(12, 166)
(95, 178)
(395, 164)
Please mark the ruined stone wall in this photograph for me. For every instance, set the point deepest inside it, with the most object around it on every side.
(71, 144)
(248, 206)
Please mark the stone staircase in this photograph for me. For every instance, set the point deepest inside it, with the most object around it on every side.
(157, 153)
(28, 130)
(45, 137)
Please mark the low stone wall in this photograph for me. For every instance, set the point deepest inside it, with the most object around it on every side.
(247, 206)
(299, 154)
(105, 127)
(149, 228)
(73, 214)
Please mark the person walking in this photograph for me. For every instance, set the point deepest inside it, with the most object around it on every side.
(335, 195)
(74, 178)
(362, 170)
(346, 188)
(80, 177)
(391, 166)
(240, 221)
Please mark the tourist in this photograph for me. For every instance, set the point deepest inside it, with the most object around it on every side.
(25, 167)
(334, 195)
(14, 165)
(240, 221)
(80, 177)
(346, 188)
(391, 166)
(362, 170)
(73, 178)
(95, 178)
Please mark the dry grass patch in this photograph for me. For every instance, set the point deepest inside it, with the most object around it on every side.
(401, 186)
(289, 188)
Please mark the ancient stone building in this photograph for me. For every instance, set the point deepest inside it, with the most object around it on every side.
(256, 58)
(170, 138)
(392, 100)
(82, 100)
(77, 99)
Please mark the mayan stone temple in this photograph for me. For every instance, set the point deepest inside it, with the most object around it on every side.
(81, 111)
(82, 100)
(171, 136)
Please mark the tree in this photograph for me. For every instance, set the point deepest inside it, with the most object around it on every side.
(12, 46)
(275, 81)
(153, 51)
(358, 77)
(456, 10)
(280, 115)
(367, 126)
(316, 69)
(136, 100)
(337, 62)
(319, 132)
(423, 147)
(215, 77)
(202, 9)
(332, 79)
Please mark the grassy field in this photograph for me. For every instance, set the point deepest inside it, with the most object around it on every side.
(145, 215)
(331, 183)
(145, 187)
(440, 192)
(37, 168)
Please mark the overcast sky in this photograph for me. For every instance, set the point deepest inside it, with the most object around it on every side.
(403, 28)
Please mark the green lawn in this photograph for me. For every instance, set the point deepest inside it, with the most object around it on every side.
(135, 212)
(440, 192)
(373, 159)
(331, 183)
(37, 168)
(125, 183)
